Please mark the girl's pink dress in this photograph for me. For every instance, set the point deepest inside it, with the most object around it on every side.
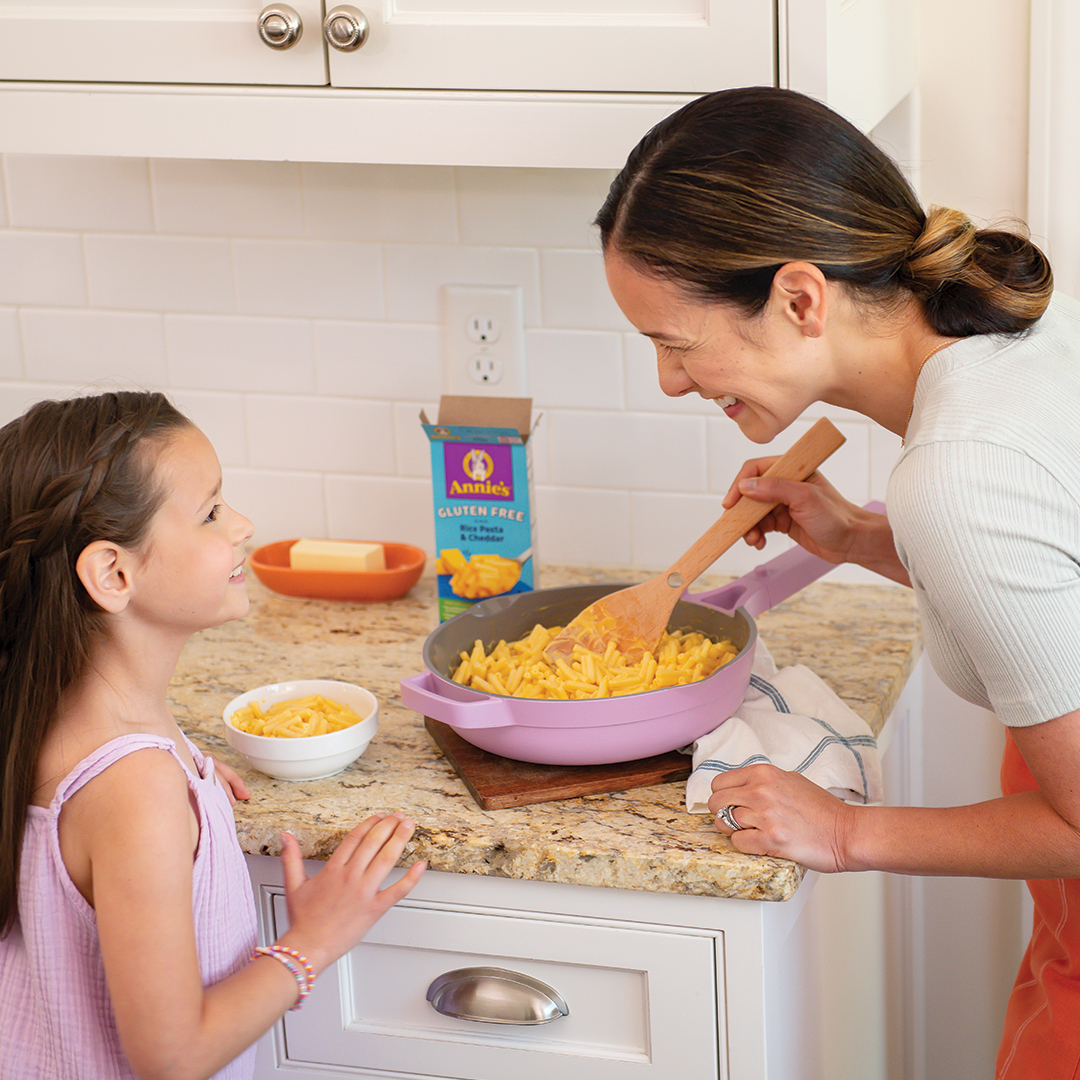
(57, 1016)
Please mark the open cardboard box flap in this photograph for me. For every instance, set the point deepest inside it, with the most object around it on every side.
(495, 412)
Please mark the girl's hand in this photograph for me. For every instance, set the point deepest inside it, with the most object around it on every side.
(784, 815)
(230, 780)
(331, 911)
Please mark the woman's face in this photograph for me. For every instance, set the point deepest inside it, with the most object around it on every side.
(755, 369)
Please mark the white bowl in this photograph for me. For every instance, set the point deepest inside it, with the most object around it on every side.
(309, 757)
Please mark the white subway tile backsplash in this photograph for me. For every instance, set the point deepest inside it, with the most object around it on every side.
(575, 292)
(293, 311)
(627, 450)
(664, 524)
(381, 509)
(884, 452)
(42, 269)
(159, 273)
(415, 275)
(320, 434)
(64, 345)
(583, 527)
(378, 360)
(225, 352)
(412, 444)
(531, 207)
(398, 204)
(17, 397)
(281, 505)
(313, 279)
(221, 419)
(228, 198)
(574, 369)
(87, 194)
(11, 350)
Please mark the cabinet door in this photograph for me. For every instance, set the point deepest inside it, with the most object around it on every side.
(643, 46)
(644, 1001)
(183, 41)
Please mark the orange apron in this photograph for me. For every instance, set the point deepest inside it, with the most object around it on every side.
(1041, 1040)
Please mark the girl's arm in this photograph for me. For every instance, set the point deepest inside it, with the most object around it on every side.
(136, 824)
(1033, 834)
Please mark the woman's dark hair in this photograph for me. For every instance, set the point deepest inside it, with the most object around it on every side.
(719, 195)
(71, 472)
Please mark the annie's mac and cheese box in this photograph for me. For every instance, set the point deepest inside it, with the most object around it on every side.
(485, 510)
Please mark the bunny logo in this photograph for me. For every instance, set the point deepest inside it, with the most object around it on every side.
(478, 465)
(479, 472)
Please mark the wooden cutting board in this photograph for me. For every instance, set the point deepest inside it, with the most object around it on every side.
(497, 783)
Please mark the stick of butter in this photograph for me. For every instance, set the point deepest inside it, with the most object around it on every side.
(350, 556)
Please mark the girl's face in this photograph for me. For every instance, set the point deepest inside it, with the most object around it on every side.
(748, 367)
(191, 567)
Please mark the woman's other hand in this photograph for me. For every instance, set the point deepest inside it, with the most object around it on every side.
(784, 815)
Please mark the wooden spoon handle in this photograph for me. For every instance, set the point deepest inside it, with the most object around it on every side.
(797, 464)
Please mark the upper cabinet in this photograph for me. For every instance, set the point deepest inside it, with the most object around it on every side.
(488, 82)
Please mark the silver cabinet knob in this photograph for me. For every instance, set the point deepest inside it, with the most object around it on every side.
(345, 28)
(280, 26)
(494, 995)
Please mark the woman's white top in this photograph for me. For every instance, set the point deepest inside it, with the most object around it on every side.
(984, 504)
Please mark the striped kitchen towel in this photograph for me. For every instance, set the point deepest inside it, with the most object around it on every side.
(793, 720)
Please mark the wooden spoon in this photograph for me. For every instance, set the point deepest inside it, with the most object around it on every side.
(636, 618)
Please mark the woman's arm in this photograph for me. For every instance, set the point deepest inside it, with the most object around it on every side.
(136, 824)
(1033, 834)
(817, 517)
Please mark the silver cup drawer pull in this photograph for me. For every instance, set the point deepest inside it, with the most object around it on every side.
(492, 995)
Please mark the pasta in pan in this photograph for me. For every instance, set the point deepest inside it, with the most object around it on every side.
(519, 669)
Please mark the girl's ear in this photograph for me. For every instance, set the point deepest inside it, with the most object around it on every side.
(801, 292)
(102, 568)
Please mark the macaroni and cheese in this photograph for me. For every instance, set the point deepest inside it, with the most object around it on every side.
(519, 669)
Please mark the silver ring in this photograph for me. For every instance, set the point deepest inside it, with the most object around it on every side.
(726, 814)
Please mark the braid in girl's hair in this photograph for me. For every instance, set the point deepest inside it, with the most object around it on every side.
(71, 472)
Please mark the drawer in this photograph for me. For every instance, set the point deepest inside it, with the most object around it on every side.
(634, 993)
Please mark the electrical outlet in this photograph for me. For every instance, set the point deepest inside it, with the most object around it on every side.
(484, 340)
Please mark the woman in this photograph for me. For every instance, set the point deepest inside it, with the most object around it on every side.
(777, 258)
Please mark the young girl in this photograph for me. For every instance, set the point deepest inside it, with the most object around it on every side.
(128, 925)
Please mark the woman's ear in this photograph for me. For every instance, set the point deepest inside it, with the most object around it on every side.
(801, 292)
(102, 568)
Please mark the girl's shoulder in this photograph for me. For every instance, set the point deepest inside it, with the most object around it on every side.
(70, 761)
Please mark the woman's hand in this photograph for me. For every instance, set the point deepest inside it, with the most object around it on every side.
(784, 815)
(818, 518)
(331, 911)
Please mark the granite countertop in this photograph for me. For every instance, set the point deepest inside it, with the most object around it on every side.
(862, 640)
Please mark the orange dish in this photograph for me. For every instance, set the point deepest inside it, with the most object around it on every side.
(404, 565)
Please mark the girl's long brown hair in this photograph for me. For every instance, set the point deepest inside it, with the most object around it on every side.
(71, 472)
(719, 195)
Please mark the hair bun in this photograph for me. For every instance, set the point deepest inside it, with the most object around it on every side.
(944, 249)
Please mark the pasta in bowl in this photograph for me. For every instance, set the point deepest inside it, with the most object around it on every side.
(285, 743)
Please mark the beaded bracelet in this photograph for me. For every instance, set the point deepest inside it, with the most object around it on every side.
(301, 970)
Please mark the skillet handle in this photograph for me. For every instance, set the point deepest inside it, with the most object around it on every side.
(772, 582)
(421, 693)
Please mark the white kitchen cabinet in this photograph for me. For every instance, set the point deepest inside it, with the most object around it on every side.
(569, 83)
